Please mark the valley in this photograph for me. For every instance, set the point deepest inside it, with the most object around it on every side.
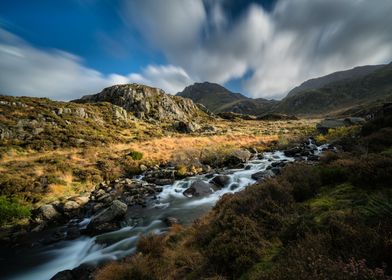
(130, 170)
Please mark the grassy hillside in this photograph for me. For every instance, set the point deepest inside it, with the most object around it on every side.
(340, 95)
(355, 73)
(326, 221)
(219, 99)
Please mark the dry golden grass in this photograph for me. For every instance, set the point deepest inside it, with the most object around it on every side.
(77, 169)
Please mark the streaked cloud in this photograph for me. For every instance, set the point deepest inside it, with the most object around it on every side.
(26, 70)
(295, 41)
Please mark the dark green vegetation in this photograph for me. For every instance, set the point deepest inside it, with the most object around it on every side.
(355, 92)
(327, 221)
(11, 210)
(219, 99)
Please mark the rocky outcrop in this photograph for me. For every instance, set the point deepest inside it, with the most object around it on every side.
(148, 103)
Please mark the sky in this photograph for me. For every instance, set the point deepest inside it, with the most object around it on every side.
(261, 48)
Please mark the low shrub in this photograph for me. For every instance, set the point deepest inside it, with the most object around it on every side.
(235, 245)
(135, 155)
(137, 267)
(304, 179)
(372, 171)
(379, 140)
(332, 175)
(151, 245)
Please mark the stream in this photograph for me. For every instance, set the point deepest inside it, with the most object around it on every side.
(44, 262)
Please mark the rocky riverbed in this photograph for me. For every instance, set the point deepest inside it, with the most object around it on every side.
(106, 224)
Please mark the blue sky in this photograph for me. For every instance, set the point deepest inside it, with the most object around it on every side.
(64, 49)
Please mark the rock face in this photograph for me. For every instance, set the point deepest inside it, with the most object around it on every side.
(148, 103)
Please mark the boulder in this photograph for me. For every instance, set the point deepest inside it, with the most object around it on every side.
(70, 206)
(82, 272)
(48, 212)
(106, 219)
(143, 167)
(261, 175)
(292, 152)
(221, 180)
(354, 121)
(198, 188)
(81, 200)
(186, 127)
(327, 124)
(238, 156)
(163, 182)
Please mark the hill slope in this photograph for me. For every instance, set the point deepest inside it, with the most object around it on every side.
(341, 95)
(219, 99)
(355, 73)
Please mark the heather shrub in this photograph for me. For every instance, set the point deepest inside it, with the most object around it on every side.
(304, 179)
(332, 175)
(379, 140)
(310, 259)
(372, 171)
(267, 204)
(151, 245)
(137, 267)
(234, 246)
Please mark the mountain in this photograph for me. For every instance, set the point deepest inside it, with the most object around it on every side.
(148, 103)
(134, 110)
(342, 95)
(219, 99)
(356, 91)
(355, 73)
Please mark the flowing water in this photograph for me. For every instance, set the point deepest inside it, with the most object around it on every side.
(46, 261)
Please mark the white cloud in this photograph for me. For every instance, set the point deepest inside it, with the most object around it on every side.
(26, 70)
(297, 40)
(168, 77)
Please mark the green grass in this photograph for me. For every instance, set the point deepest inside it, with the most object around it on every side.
(11, 210)
(336, 200)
